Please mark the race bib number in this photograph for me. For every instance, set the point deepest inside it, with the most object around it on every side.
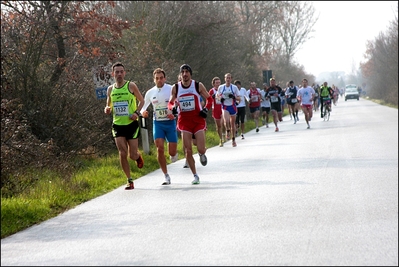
(186, 103)
(316, 94)
(274, 99)
(294, 100)
(254, 98)
(121, 108)
(161, 113)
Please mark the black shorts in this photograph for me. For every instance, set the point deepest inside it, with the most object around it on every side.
(253, 110)
(290, 103)
(276, 107)
(266, 109)
(130, 131)
(240, 115)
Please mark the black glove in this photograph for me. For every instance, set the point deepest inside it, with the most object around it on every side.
(213, 96)
(222, 100)
(231, 96)
(174, 111)
(204, 113)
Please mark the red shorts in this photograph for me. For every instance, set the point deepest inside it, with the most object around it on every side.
(307, 106)
(191, 124)
(217, 112)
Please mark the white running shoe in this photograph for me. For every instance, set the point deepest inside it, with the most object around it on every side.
(196, 179)
(174, 158)
(203, 159)
(167, 180)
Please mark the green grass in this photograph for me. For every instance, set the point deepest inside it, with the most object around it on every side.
(53, 194)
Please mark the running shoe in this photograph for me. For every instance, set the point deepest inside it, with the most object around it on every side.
(297, 118)
(242, 137)
(185, 165)
(203, 159)
(196, 179)
(221, 143)
(140, 162)
(276, 129)
(234, 143)
(129, 185)
(257, 129)
(308, 126)
(167, 180)
(267, 125)
(174, 158)
(294, 120)
(228, 136)
(322, 115)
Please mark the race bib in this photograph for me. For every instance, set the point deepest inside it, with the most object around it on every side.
(121, 108)
(316, 94)
(161, 113)
(273, 99)
(294, 100)
(254, 98)
(186, 103)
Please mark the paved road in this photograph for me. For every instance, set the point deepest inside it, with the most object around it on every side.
(323, 196)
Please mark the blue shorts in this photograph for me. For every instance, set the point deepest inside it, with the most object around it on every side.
(165, 130)
(231, 109)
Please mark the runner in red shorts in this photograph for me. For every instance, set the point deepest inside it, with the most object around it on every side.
(191, 119)
(305, 96)
(217, 108)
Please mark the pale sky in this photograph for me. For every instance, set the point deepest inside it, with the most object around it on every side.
(341, 33)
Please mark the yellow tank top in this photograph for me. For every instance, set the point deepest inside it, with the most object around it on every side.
(123, 104)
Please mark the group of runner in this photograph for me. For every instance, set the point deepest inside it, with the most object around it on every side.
(184, 107)
(272, 100)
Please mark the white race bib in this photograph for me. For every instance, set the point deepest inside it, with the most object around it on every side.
(274, 99)
(161, 113)
(294, 100)
(186, 103)
(121, 108)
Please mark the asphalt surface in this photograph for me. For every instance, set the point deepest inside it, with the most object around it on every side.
(321, 196)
